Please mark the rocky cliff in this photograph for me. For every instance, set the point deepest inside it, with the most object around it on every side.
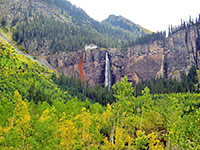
(182, 51)
(170, 57)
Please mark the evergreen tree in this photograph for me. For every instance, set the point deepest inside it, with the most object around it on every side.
(3, 22)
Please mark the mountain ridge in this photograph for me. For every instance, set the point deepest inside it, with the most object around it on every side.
(41, 16)
(126, 24)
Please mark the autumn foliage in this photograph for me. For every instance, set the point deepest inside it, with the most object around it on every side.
(154, 122)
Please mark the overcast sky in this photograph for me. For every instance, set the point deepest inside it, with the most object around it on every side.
(155, 15)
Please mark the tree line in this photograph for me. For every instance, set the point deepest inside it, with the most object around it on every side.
(146, 39)
(184, 24)
(82, 91)
(75, 87)
(61, 36)
(188, 83)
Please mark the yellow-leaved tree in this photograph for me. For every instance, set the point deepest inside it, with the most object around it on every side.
(68, 134)
(16, 135)
(21, 117)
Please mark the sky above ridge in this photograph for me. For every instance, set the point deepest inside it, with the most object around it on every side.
(155, 15)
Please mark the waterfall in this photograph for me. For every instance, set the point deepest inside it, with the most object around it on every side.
(107, 72)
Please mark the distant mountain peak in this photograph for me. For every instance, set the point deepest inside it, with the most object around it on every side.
(115, 16)
(126, 24)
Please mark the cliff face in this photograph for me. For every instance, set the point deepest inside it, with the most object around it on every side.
(169, 57)
(137, 63)
(88, 65)
(182, 51)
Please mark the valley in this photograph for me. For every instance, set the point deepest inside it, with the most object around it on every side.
(68, 81)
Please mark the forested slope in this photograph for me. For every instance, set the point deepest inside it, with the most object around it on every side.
(36, 114)
(39, 23)
(20, 73)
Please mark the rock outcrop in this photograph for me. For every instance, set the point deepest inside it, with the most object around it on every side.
(142, 62)
(182, 51)
(170, 57)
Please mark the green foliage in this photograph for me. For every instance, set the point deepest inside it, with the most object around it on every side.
(81, 90)
(20, 73)
(141, 140)
(36, 114)
(6, 110)
(145, 39)
(185, 133)
(5, 29)
(123, 90)
(46, 29)
(3, 22)
(22, 49)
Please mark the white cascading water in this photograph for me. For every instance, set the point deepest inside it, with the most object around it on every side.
(107, 73)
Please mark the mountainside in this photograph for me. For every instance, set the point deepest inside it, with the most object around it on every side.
(45, 26)
(36, 82)
(169, 57)
(58, 31)
(43, 110)
(20, 73)
(36, 114)
(123, 23)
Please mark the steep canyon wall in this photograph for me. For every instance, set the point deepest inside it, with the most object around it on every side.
(169, 57)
